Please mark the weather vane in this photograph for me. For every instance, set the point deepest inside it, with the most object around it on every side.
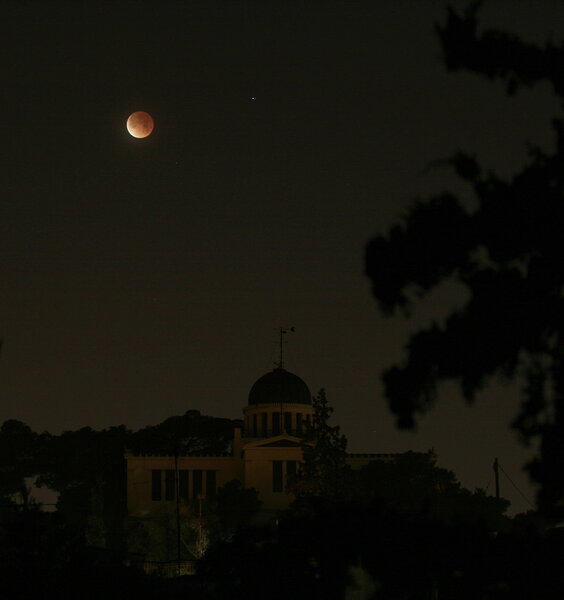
(283, 332)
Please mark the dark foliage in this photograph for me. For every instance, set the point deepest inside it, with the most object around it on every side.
(507, 253)
(315, 553)
(41, 558)
(81, 546)
(18, 445)
(411, 484)
(324, 471)
(234, 508)
(87, 467)
(191, 434)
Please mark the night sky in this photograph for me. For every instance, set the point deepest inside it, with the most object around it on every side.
(141, 278)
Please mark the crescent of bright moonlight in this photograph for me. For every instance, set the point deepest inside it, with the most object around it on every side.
(140, 124)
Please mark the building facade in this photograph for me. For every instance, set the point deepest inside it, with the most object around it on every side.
(265, 453)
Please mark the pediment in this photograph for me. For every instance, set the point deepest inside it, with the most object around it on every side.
(280, 441)
(281, 444)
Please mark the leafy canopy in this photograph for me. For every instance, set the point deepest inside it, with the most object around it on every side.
(507, 253)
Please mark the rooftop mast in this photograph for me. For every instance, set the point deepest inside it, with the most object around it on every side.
(283, 332)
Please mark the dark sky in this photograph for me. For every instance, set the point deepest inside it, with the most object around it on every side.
(143, 278)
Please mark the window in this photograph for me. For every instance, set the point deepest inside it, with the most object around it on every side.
(210, 484)
(290, 472)
(288, 422)
(275, 423)
(264, 424)
(183, 484)
(170, 492)
(197, 483)
(299, 424)
(277, 482)
(255, 425)
(307, 423)
(156, 493)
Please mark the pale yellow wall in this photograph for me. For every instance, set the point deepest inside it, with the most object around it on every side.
(258, 473)
(252, 465)
(139, 470)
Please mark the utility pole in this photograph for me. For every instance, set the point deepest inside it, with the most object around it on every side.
(496, 473)
(177, 490)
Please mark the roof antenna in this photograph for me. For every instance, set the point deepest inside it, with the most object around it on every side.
(283, 332)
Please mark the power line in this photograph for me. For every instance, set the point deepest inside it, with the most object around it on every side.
(515, 486)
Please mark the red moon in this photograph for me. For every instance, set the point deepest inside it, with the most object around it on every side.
(140, 124)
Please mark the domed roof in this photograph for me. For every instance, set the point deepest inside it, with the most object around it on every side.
(279, 386)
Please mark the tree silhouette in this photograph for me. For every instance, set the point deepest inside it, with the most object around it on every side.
(507, 253)
(412, 484)
(18, 446)
(324, 471)
(86, 467)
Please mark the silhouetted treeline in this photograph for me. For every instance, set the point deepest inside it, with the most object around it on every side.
(87, 468)
(404, 527)
(322, 549)
(81, 547)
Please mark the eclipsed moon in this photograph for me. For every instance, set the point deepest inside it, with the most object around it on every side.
(140, 124)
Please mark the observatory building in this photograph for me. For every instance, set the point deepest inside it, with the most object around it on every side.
(265, 453)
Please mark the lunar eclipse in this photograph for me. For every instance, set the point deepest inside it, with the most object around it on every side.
(140, 124)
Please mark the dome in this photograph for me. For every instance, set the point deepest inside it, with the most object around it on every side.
(279, 386)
